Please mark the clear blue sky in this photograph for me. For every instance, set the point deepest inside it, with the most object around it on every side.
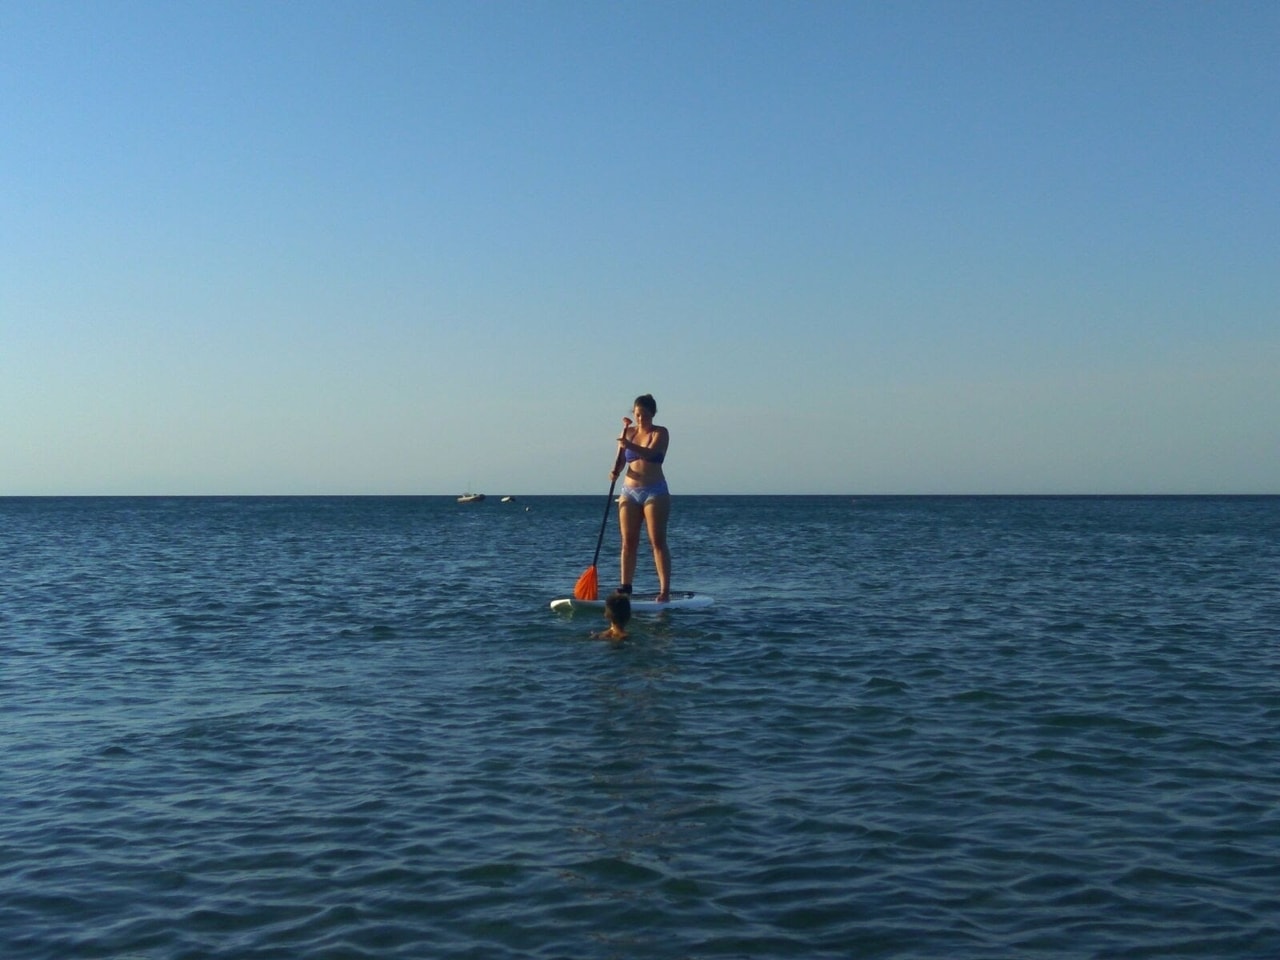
(412, 247)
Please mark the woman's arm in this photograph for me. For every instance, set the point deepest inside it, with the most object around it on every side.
(622, 450)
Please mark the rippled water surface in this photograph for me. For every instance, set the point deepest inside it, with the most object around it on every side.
(916, 728)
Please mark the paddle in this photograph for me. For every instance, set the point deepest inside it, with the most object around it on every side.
(588, 585)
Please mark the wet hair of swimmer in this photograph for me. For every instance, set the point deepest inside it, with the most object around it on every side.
(618, 606)
(646, 402)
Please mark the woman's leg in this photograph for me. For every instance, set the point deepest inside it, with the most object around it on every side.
(630, 516)
(656, 512)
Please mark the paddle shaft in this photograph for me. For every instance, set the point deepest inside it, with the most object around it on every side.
(617, 469)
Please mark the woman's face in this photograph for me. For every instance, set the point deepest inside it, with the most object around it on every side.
(642, 416)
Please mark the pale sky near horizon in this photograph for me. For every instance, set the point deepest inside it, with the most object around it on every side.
(399, 247)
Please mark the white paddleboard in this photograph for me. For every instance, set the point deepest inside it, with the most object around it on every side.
(640, 603)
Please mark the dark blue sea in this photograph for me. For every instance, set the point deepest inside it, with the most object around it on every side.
(959, 728)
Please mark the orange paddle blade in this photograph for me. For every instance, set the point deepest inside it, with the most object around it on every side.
(588, 585)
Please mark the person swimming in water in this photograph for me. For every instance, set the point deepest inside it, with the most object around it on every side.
(645, 499)
(617, 610)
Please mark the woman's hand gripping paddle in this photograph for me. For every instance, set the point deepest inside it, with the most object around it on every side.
(588, 585)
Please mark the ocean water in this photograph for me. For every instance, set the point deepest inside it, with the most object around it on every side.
(909, 728)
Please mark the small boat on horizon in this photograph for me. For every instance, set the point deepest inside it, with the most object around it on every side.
(508, 499)
(471, 498)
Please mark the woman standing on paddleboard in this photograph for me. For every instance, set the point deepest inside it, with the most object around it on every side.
(645, 498)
